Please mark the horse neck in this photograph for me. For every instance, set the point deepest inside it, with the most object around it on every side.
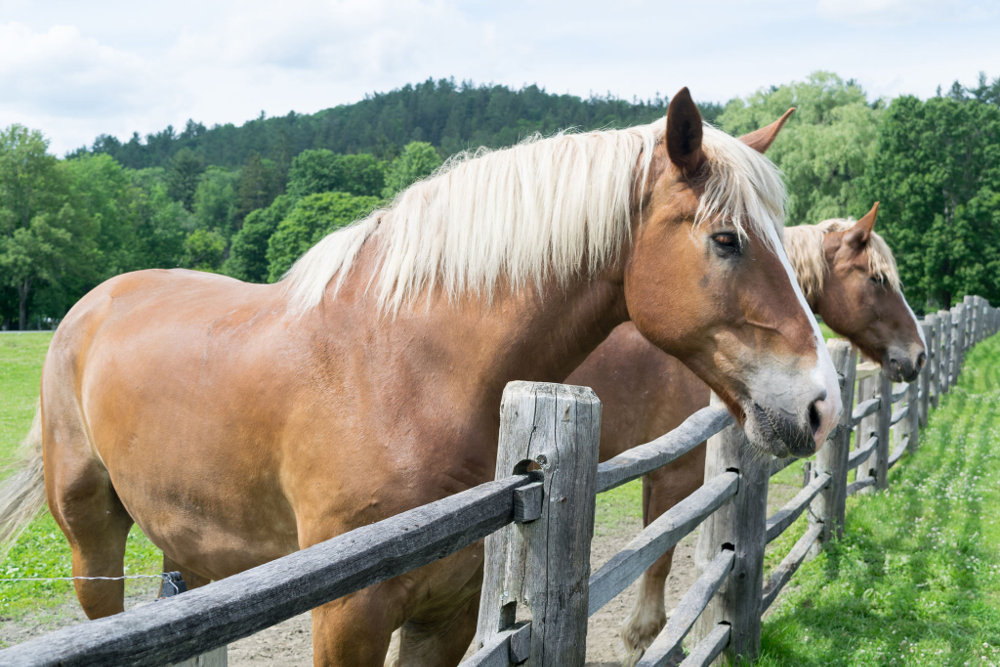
(538, 334)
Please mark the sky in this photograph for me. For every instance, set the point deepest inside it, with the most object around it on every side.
(75, 70)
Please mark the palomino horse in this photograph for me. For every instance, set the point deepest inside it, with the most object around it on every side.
(368, 381)
(849, 277)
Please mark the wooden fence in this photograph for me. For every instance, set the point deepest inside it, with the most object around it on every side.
(537, 518)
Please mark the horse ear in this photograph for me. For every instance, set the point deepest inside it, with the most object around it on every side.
(684, 133)
(859, 234)
(760, 140)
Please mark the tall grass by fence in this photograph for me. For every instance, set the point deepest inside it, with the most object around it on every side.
(540, 511)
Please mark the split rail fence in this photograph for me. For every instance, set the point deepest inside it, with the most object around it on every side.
(537, 518)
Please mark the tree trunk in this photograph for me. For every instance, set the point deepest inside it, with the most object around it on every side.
(23, 290)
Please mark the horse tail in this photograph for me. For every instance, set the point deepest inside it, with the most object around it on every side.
(22, 489)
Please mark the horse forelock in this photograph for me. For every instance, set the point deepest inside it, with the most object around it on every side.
(804, 245)
(532, 212)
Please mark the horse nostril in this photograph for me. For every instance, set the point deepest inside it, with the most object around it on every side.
(815, 418)
(921, 360)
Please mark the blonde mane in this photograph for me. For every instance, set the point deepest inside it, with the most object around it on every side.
(543, 209)
(804, 245)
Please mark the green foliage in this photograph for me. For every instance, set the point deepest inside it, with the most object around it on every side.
(321, 170)
(43, 238)
(203, 250)
(162, 224)
(823, 148)
(260, 182)
(418, 159)
(248, 250)
(311, 219)
(916, 578)
(936, 170)
(183, 175)
(214, 203)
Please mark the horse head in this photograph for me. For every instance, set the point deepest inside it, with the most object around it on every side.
(708, 281)
(865, 302)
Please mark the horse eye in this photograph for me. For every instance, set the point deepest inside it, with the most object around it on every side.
(878, 280)
(726, 243)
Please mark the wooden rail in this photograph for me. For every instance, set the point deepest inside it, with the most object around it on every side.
(538, 523)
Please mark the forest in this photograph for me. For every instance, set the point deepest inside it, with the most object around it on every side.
(247, 201)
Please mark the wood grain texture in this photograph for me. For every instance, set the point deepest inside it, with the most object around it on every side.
(741, 524)
(827, 507)
(543, 567)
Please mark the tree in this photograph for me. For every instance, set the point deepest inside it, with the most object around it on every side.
(186, 168)
(823, 148)
(248, 250)
(214, 204)
(312, 218)
(203, 250)
(101, 191)
(41, 237)
(162, 224)
(322, 170)
(418, 159)
(936, 169)
(258, 185)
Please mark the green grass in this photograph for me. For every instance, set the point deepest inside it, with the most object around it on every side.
(916, 578)
(41, 551)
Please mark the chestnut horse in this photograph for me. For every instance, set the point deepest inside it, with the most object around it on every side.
(849, 277)
(368, 381)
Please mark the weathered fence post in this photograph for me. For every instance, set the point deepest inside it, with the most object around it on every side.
(828, 507)
(884, 416)
(867, 387)
(929, 380)
(958, 341)
(913, 415)
(741, 523)
(971, 309)
(944, 364)
(539, 570)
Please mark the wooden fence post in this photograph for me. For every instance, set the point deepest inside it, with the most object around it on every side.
(884, 415)
(958, 341)
(828, 507)
(877, 465)
(913, 415)
(969, 302)
(867, 387)
(540, 569)
(944, 364)
(930, 380)
(741, 523)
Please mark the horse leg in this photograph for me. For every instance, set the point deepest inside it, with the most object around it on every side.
(439, 639)
(355, 629)
(662, 489)
(96, 525)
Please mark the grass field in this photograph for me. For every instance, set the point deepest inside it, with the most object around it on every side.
(916, 578)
